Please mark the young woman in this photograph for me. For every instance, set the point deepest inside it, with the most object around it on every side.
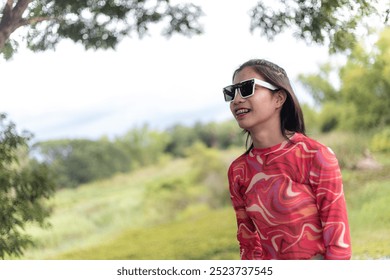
(286, 189)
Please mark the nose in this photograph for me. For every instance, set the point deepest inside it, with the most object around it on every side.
(237, 97)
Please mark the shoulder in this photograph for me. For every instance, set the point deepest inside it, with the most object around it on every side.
(310, 143)
(238, 165)
(321, 155)
(239, 160)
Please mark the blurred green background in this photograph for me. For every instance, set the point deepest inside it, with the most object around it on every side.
(176, 205)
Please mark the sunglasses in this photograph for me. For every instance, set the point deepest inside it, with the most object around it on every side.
(247, 89)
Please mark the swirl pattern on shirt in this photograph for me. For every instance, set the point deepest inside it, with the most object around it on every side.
(289, 202)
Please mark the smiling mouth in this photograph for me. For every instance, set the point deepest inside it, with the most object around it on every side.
(241, 112)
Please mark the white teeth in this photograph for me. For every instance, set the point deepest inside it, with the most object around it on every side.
(242, 111)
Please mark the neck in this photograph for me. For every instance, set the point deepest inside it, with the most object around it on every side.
(267, 138)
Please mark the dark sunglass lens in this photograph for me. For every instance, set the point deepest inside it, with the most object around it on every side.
(228, 93)
(247, 88)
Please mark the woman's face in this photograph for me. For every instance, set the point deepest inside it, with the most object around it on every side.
(259, 111)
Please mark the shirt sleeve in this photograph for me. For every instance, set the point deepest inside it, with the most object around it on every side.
(326, 180)
(247, 236)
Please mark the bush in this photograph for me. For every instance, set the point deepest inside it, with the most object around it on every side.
(381, 141)
(349, 147)
(166, 198)
(210, 171)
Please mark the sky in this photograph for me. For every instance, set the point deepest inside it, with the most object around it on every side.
(154, 81)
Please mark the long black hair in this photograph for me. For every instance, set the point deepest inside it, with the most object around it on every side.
(291, 116)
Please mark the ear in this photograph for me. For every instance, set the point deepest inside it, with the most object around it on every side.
(280, 97)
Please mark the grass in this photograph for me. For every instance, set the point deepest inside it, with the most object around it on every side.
(92, 212)
(369, 218)
(107, 219)
(210, 236)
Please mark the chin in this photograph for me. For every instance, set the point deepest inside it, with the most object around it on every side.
(243, 125)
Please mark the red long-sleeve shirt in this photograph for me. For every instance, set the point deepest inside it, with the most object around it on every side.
(289, 202)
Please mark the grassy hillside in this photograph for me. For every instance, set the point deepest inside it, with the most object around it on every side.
(368, 198)
(94, 212)
(111, 219)
(206, 236)
(211, 234)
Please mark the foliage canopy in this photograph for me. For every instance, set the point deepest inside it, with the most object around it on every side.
(362, 100)
(24, 186)
(102, 24)
(96, 24)
(332, 22)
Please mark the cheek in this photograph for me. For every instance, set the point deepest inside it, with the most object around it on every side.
(231, 108)
(262, 100)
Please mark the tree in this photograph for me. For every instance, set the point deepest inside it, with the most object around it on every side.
(360, 100)
(79, 161)
(143, 145)
(97, 24)
(102, 24)
(24, 185)
(333, 22)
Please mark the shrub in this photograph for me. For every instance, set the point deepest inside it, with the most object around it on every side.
(381, 141)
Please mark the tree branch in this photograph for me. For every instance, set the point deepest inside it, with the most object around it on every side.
(20, 7)
(30, 21)
(7, 11)
(12, 19)
(9, 5)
